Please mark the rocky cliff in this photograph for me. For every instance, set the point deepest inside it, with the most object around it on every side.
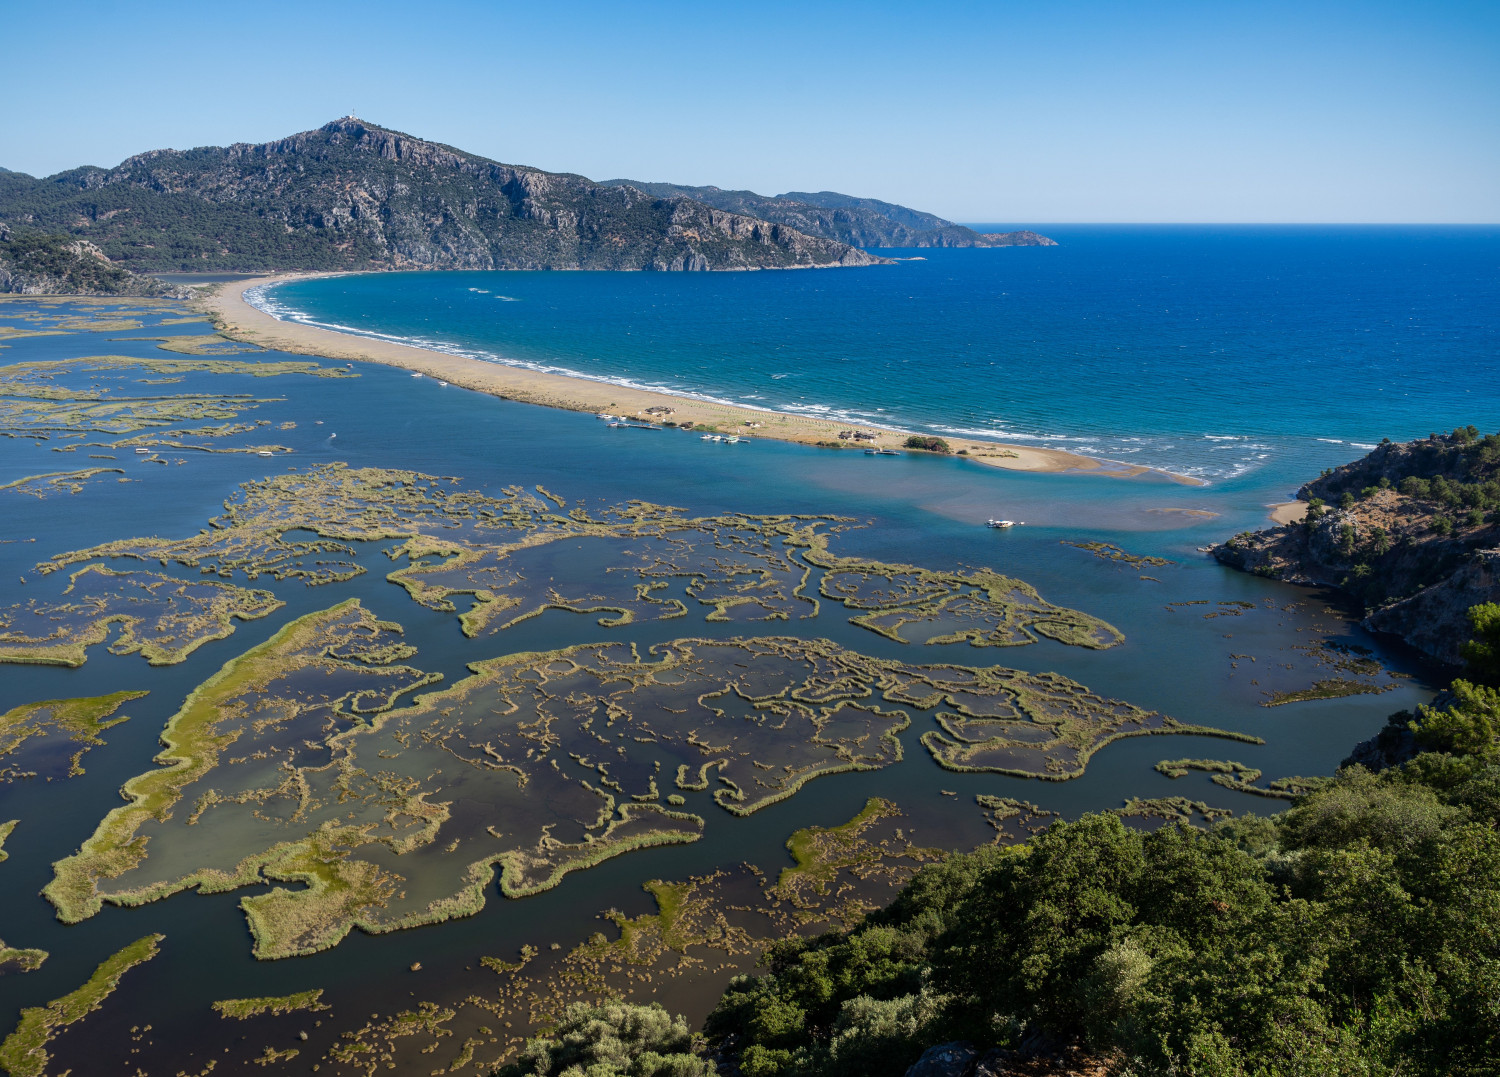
(862, 222)
(40, 263)
(351, 195)
(1411, 531)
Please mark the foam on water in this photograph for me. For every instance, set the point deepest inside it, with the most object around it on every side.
(1211, 352)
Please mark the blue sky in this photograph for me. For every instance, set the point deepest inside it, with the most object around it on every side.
(1024, 112)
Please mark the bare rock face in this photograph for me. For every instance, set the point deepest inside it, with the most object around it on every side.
(351, 195)
(1411, 531)
(1435, 620)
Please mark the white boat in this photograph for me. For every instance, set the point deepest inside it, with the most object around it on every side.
(732, 440)
(1003, 524)
(417, 375)
(707, 437)
(142, 452)
(265, 452)
(443, 384)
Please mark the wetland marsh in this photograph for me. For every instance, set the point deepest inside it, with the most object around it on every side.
(451, 710)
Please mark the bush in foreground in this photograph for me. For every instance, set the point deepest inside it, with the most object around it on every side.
(613, 1039)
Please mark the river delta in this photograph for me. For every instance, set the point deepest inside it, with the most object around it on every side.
(352, 722)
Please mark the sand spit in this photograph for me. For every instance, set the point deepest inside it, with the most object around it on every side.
(236, 318)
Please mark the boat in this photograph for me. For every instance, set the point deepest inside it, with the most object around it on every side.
(142, 452)
(706, 437)
(1003, 524)
(417, 375)
(732, 440)
(443, 384)
(872, 452)
(887, 452)
(265, 452)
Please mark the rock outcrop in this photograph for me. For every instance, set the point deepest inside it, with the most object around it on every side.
(351, 195)
(1411, 531)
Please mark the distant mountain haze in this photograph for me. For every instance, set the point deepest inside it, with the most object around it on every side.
(351, 195)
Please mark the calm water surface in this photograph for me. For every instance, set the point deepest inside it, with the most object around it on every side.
(1164, 348)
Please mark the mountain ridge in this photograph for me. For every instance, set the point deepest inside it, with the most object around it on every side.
(352, 195)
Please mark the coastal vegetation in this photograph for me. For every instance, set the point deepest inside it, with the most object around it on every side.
(927, 444)
(711, 924)
(80, 720)
(212, 718)
(656, 563)
(578, 731)
(44, 400)
(242, 1008)
(160, 617)
(24, 1052)
(1240, 778)
(55, 482)
(1108, 551)
(1330, 688)
(1048, 726)
(19, 959)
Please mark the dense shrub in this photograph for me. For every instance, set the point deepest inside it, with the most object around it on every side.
(613, 1039)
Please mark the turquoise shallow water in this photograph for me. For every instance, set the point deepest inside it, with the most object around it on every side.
(1264, 353)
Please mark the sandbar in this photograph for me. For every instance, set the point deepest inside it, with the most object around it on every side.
(233, 316)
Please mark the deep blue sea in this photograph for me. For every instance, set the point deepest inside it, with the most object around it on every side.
(1262, 353)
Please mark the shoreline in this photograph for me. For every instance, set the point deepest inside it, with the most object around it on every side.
(237, 319)
(1288, 512)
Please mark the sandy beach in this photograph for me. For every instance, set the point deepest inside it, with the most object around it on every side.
(1288, 512)
(236, 318)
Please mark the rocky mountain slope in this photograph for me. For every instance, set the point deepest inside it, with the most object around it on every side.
(1412, 531)
(41, 263)
(351, 195)
(862, 222)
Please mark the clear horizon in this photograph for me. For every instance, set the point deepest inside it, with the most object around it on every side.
(1083, 113)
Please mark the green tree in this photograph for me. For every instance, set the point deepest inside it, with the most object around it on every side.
(1482, 652)
(1466, 726)
(613, 1039)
